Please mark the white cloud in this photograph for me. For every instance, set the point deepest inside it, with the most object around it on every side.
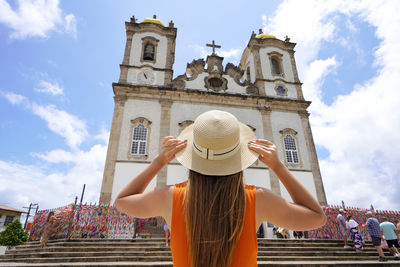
(21, 184)
(13, 98)
(232, 54)
(104, 135)
(359, 129)
(67, 125)
(315, 75)
(58, 121)
(36, 18)
(70, 25)
(49, 88)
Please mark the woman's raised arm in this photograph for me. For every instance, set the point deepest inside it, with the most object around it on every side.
(304, 214)
(131, 200)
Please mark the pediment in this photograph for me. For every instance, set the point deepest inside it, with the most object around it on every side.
(212, 76)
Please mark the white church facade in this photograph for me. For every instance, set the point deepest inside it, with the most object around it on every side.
(264, 92)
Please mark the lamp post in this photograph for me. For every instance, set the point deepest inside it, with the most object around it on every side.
(31, 206)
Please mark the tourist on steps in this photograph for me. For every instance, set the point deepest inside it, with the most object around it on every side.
(48, 229)
(397, 224)
(390, 233)
(214, 216)
(355, 235)
(375, 233)
(342, 226)
(166, 232)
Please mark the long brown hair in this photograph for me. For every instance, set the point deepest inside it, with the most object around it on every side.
(214, 214)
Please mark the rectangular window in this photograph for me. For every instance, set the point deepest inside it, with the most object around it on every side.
(289, 156)
(295, 157)
(142, 148)
(135, 145)
(8, 220)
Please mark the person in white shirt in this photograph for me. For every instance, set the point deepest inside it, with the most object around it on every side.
(342, 226)
(357, 239)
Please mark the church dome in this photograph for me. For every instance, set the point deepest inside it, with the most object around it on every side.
(153, 20)
(265, 36)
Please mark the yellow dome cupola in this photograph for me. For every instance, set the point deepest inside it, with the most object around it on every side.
(153, 20)
(262, 35)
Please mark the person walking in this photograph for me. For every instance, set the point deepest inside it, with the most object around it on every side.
(166, 233)
(342, 226)
(48, 229)
(357, 239)
(375, 232)
(397, 224)
(214, 216)
(390, 233)
(298, 234)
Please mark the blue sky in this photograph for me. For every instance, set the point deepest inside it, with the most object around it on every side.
(59, 59)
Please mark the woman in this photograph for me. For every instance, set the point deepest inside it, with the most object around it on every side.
(166, 232)
(355, 235)
(214, 216)
(48, 228)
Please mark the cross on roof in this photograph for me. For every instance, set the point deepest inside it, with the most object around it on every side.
(213, 45)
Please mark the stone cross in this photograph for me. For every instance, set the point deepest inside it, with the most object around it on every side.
(213, 45)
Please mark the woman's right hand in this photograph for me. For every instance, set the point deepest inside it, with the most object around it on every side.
(169, 148)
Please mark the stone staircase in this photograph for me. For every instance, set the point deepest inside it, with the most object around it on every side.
(153, 252)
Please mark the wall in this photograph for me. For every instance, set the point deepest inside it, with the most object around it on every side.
(150, 110)
(124, 173)
(266, 65)
(282, 120)
(136, 50)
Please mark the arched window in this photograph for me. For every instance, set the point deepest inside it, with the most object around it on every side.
(276, 69)
(139, 140)
(148, 53)
(276, 63)
(292, 155)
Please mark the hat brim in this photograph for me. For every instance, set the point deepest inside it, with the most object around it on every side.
(241, 160)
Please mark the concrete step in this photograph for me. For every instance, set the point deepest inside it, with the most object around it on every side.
(153, 252)
(260, 264)
(72, 251)
(162, 247)
(145, 259)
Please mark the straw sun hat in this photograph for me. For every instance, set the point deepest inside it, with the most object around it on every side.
(217, 144)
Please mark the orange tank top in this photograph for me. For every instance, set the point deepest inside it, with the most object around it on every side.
(245, 254)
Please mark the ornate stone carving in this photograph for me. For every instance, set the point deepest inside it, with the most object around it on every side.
(234, 72)
(252, 90)
(179, 82)
(195, 68)
(215, 82)
(214, 64)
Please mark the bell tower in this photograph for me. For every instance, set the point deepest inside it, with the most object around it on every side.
(269, 64)
(148, 59)
(149, 53)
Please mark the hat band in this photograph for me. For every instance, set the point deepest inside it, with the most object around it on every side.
(207, 153)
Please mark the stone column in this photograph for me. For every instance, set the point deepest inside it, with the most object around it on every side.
(112, 150)
(169, 60)
(296, 76)
(312, 154)
(259, 78)
(267, 128)
(165, 121)
(128, 47)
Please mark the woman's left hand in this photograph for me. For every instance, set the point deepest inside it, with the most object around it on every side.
(266, 151)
